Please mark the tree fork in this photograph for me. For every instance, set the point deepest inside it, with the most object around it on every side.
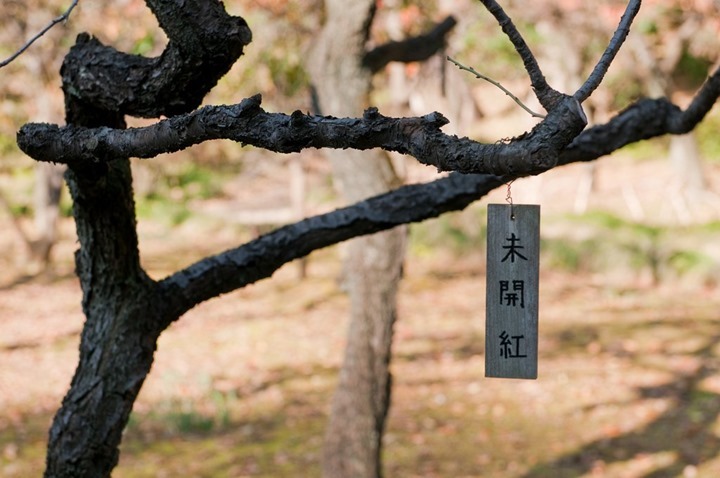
(123, 321)
(125, 310)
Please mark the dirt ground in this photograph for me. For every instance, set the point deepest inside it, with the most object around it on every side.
(629, 381)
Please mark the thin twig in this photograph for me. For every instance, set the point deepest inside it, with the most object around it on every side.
(27, 45)
(611, 51)
(545, 94)
(490, 80)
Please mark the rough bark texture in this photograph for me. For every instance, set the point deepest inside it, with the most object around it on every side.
(125, 310)
(247, 123)
(124, 319)
(354, 433)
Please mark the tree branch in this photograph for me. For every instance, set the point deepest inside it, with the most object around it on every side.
(62, 18)
(700, 105)
(261, 257)
(248, 123)
(417, 48)
(545, 94)
(555, 140)
(611, 51)
(644, 119)
(204, 42)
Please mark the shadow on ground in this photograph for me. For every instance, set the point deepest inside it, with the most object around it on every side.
(683, 438)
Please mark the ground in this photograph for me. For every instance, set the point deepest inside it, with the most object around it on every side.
(629, 375)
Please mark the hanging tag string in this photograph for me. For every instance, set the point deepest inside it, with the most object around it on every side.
(509, 200)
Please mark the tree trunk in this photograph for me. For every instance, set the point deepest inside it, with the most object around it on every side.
(361, 401)
(123, 321)
(125, 310)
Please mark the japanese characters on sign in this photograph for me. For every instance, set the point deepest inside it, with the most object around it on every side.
(516, 296)
(512, 291)
(510, 348)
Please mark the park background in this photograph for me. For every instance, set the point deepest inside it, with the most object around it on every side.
(629, 381)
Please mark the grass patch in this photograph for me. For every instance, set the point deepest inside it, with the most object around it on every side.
(597, 242)
(23, 446)
(458, 232)
(708, 138)
(187, 441)
(163, 210)
(610, 244)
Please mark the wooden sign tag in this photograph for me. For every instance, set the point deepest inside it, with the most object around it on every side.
(513, 268)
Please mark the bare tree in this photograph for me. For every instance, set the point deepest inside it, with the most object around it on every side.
(126, 310)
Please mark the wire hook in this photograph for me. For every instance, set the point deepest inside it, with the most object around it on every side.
(509, 200)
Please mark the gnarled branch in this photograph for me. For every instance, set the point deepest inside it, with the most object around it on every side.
(197, 55)
(420, 137)
(644, 119)
(248, 123)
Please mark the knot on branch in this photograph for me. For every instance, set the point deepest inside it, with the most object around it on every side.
(371, 114)
(251, 104)
(436, 119)
(297, 118)
(247, 108)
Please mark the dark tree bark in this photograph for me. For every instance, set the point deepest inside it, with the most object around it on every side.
(124, 319)
(126, 311)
